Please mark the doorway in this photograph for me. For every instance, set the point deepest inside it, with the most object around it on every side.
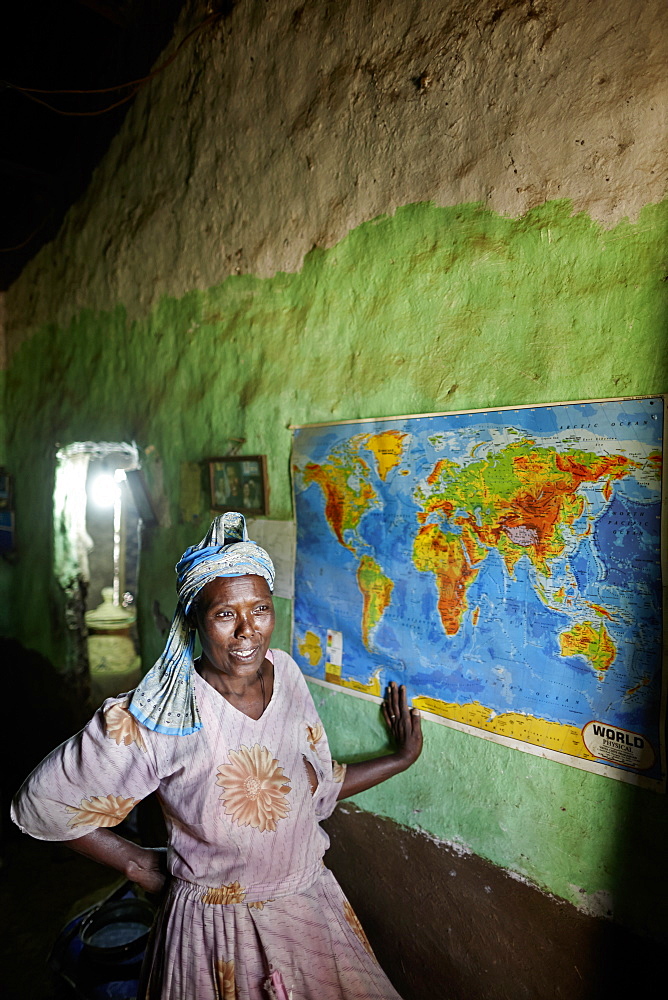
(97, 531)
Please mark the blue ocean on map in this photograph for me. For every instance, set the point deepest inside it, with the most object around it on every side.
(509, 558)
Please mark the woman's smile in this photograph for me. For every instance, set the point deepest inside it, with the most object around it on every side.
(244, 654)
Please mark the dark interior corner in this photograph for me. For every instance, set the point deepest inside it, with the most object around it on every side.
(46, 157)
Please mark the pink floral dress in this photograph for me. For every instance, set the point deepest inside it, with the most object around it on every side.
(251, 912)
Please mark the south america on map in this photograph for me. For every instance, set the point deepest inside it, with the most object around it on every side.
(504, 565)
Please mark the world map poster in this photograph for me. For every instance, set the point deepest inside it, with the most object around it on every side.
(505, 565)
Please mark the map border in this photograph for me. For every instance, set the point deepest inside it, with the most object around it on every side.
(594, 767)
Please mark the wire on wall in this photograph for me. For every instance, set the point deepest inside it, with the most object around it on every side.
(135, 85)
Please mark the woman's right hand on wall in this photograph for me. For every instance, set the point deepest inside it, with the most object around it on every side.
(405, 726)
(404, 723)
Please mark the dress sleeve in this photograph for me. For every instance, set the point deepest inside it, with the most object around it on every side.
(329, 787)
(329, 772)
(93, 780)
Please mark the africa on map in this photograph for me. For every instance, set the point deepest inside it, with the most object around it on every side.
(505, 565)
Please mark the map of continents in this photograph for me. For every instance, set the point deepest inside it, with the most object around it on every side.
(504, 565)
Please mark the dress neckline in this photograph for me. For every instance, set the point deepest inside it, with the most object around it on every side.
(272, 659)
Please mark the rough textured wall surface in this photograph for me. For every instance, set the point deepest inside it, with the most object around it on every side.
(292, 122)
(463, 930)
(428, 309)
(316, 216)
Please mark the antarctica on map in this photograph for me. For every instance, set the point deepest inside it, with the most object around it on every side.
(505, 565)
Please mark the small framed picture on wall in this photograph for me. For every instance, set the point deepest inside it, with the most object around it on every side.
(239, 482)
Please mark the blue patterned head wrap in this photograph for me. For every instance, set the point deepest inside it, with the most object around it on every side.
(164, 700)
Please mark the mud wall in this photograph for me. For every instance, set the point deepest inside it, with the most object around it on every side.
(327, 211)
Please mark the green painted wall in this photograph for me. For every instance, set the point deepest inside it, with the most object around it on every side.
(429, 309)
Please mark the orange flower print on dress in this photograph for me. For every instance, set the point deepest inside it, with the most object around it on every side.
(232, 893)
(260, 904)
(254, 788)
(338, 771)
(122, 727)
(314, 734)
(225, 985)
(353, 922)
(101, 810)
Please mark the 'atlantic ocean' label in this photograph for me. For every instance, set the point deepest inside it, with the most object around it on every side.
(619, 746)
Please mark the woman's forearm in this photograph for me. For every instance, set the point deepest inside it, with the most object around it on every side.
(139, 864)
(367, 773)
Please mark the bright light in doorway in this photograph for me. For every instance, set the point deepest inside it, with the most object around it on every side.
(105, 490)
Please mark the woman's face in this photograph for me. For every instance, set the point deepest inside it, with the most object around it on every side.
(235, 620)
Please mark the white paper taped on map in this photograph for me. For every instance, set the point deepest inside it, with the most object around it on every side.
(278, 538)
(504, 564)
(334, 650)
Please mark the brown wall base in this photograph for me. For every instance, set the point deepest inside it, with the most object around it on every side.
(446, 926)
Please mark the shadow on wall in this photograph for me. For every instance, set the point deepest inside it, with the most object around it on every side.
(639, 894)
(44, 710)
(451, 926)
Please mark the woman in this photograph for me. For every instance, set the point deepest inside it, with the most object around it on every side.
(234, 748)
